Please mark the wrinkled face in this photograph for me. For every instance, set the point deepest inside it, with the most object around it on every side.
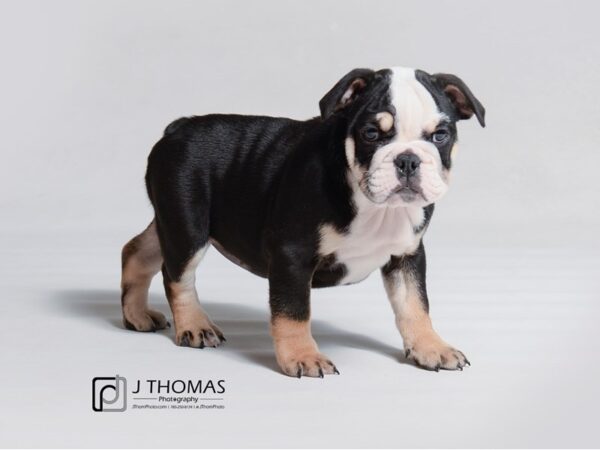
(402, 135)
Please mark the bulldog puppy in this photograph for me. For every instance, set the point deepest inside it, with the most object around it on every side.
(314, 203)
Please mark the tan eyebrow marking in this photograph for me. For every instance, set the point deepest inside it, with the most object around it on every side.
(433, 123)
(385, 121)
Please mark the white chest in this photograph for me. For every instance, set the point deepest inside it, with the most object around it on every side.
(375, 234)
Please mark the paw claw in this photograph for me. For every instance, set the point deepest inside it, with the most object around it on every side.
(307, 365)
(185, 339)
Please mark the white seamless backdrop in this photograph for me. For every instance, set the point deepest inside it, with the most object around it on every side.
(86, 89)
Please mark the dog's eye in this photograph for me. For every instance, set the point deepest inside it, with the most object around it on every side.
(440, 136)
(370, 134)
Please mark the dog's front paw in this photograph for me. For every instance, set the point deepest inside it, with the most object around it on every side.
(308, 364)
(145, 320)
(198, 332)
(433, 353)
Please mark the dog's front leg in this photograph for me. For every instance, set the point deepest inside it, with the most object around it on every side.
(290, 276)
(404, 279)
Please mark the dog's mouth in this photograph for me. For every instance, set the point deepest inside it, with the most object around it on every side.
(405, 189)
(409, 193)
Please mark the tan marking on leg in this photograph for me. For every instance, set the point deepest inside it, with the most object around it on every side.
(296, 351)
(385, 121)
(193, 327)
(421, 342)
(141, 260)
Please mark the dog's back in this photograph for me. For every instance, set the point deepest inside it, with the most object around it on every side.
(236, 162)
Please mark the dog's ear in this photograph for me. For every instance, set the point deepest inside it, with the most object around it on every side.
(344, 92)
(460, 95)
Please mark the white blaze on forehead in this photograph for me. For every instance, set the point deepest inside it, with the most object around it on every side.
(416, 109)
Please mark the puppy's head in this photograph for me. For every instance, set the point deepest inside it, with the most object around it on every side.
(400, 131)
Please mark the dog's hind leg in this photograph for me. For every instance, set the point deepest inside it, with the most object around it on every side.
(141, 260)
(184, 240)
(193, 327)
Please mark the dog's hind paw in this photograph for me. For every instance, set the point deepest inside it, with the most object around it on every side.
(199, 333)
(145, 320)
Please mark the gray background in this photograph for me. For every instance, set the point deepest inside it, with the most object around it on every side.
(87, 88)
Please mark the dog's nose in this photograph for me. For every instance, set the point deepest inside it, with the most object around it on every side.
(407, 163)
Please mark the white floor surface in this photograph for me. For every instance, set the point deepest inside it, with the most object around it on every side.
(526, 318)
